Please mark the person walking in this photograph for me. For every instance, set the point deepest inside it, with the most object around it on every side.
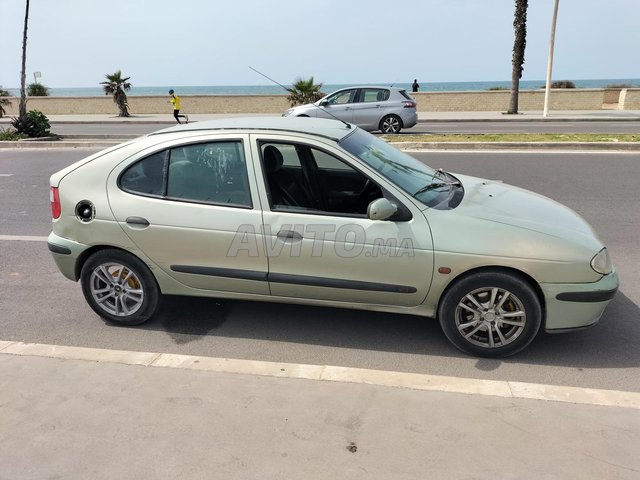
(414, 85)
(175, 100)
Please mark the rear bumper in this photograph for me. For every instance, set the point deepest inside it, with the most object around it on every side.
(577, 305)
(410, 120)
(65, 253)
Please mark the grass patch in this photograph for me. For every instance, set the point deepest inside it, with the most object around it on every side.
(516, 137)
(9, 135)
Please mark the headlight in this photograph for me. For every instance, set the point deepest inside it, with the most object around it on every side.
(288, 112)
(601, 262)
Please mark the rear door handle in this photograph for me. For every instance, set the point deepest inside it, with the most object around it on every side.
(137, 222)
(289, 235)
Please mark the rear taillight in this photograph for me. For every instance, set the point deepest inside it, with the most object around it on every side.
(409, 104)
(55, 203)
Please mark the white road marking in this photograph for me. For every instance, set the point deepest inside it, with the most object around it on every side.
(6, 174)
(415, 381)
(23, 238)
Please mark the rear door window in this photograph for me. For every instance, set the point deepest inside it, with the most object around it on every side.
(213, 172)
(374, 95)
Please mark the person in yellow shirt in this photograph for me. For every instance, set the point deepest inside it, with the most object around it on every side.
(175, 100)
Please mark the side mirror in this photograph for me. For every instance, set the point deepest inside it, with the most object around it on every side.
(324, 103)
(381, 209)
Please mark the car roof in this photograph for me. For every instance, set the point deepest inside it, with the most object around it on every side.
(333, 129)
(371, 86)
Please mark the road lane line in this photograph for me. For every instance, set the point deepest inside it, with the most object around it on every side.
(22, 238)
(414, 381)
(6, 174)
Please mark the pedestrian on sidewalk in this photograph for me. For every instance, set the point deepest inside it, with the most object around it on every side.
(175, 100)
(414, 86)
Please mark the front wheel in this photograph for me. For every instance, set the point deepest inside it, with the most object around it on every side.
(390, 124)
(119, 287)
(490, 314)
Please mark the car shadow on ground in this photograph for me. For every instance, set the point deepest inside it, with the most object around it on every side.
(613, 343)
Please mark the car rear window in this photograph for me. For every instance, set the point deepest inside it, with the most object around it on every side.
(406, 95)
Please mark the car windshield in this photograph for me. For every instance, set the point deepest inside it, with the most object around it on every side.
(399, 168)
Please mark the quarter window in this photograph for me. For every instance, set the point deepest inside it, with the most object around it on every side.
(145, 176)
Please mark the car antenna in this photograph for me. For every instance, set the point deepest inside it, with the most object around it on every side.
(348, 125)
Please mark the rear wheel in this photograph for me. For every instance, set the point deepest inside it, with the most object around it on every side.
(490, 314)
(390, 124)
(119, 287)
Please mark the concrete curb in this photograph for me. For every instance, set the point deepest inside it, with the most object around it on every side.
(557, 146)
(414, 381)
(61, 144)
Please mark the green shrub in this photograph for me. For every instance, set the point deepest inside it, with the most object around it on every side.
(563, 84)
(9, 135)
(34, 124)
(37, 90)
(499, 88)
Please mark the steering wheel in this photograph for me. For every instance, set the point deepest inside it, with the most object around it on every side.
(367, 190)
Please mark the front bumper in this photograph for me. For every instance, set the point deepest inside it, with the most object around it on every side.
(572, 306)
(66, 253)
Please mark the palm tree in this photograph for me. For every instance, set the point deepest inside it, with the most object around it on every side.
(519, 44)
(116, 86)
(22, 110)
(304, 91)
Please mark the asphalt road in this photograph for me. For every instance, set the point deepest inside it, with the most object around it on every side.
(39, 305)
(460, 127)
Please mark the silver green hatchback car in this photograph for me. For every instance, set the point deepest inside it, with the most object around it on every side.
(319, 212)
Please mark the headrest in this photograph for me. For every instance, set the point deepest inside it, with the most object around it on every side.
(272, 159)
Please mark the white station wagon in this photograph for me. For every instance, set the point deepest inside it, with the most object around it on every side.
(320, 212)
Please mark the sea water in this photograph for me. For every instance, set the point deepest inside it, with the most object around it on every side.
(328, 88)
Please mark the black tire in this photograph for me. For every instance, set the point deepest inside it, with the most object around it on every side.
(390, 124)
(119, 287)
(473, 311)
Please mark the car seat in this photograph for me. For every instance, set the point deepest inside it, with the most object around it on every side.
(284, 187)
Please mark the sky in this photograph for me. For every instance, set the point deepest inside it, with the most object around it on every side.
(74, 43)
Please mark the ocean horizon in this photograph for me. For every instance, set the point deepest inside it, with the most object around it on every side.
(326, 88)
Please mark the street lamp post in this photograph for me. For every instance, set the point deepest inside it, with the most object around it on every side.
(547, 90)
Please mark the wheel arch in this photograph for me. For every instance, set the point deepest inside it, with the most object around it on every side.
(528, 279)
(84, 256)
(391, 115)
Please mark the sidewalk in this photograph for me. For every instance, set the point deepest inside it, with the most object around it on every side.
(77, 413)
(528, 116)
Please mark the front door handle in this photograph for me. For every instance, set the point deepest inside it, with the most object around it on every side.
(289, 235)
(137, 222)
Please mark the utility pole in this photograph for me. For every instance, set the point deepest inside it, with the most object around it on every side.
(547, 90)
